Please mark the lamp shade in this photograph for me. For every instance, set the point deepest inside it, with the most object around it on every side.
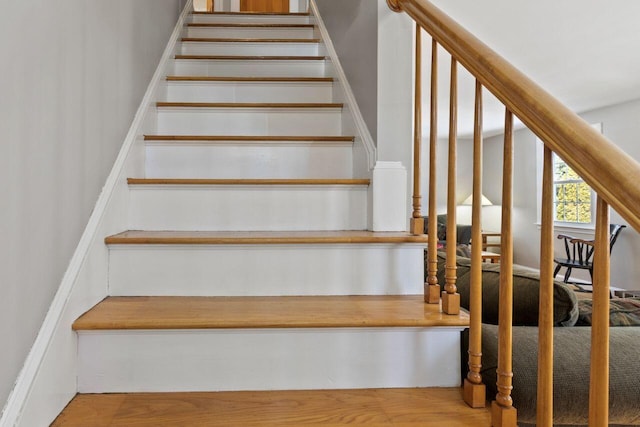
(485, 201)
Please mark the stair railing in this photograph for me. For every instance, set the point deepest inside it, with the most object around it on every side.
(610, 172)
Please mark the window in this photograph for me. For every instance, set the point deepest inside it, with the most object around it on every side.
(573, 198)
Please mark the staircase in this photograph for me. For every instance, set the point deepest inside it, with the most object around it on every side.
(247, 265)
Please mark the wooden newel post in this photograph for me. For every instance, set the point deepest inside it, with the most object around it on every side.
(503, 414)
(450, 296)
(474, 390)
(417, 221)
(432, 288)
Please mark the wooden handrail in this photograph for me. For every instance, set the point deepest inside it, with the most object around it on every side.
(608, 170)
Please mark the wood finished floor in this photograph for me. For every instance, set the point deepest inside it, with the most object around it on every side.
(429, 407)
(266, 312)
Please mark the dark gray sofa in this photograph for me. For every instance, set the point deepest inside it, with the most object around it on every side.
(571, 350)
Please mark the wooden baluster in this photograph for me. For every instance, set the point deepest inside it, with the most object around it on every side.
(450, 296)
(503, 413)
(599, 384)
(544, 415)
(417, 221)
(432, 291)
(474, 390)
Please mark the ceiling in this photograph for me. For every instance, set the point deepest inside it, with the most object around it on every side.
(584, 52)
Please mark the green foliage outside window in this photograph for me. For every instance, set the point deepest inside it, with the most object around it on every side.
(573, 197)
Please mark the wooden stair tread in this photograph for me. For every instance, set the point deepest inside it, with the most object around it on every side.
(209, 181)
(248, 79)
(266, 312)
(250, 104)
(246, 25)
(252, 57)
(411, 407)
(245, 40)
(133, 237)
(251, 13)
(247, 138)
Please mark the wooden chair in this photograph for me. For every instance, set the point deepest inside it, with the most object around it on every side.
(580, 252)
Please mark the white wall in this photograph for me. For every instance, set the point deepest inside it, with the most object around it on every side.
(621, 125)
(73, 75)
(353, 27)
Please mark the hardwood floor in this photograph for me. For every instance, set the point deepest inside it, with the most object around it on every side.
(431, 407)
(266, 312)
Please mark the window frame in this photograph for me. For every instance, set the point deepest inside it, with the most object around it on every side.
(562, 224)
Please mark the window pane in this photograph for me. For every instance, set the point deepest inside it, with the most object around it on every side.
(573, 200)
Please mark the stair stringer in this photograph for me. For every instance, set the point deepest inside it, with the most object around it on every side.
(48, 379)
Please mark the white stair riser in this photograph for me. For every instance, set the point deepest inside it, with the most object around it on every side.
(259, 19)
(252, 32)
(250, 68)
(250, 49)
(266, 270)
(270, 159)
(248, 208)
(268, 359)
(249, 121)
(249, 91)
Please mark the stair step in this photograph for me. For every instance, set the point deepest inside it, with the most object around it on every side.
(260, 156)
(250, 105)
(373, 407)
(212, 344)
(259, 18)
(249, 25)
(228, 46)
(246, 40)
(252, 182)
(236, 65)
(247, 138)
(204, 89)
(248, 204)
(251, 30)
(250, 79)
(249, 118)
(266, 312)
(208, 263)
(136, 237)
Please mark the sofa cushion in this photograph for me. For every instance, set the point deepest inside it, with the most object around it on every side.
(526, 289)
(622, 312)
(571, 361)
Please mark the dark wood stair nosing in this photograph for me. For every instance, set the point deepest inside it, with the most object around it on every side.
(248, 40)
(251, 181)
(251, 13)
(269, 312)
(246, 25)
(265, 79)
(133, 237)
(252, 57)
(283, 105)
(256, 138)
